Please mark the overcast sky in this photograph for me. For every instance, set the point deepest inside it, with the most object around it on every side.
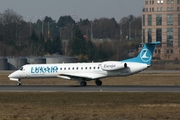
(83, 9)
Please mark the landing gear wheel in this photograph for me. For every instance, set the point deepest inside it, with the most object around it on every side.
(18, 84)
(83, 83)
(98, 82)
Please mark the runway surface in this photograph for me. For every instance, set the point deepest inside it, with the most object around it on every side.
(61, 88)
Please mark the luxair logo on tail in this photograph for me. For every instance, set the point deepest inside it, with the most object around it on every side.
(145, 55)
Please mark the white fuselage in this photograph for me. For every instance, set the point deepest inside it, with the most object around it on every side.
(74, 71)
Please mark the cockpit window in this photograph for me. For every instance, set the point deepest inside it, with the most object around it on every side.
(21, 68)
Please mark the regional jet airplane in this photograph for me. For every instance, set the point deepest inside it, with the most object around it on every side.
(83, 72)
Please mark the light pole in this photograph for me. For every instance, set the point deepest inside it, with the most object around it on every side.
(65, 42)
(121, 31)
(92, 31)
(130, 28)
(48, 28)
(42, 24)
(72, 29)
(30, 20)
(60, 29)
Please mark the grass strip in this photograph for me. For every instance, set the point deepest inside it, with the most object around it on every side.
(90, 106)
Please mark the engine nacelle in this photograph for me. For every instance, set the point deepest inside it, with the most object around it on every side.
(113, 65)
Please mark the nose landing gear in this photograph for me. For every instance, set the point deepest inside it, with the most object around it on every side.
(19, 83)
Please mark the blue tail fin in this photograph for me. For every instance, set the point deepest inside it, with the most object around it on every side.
(145, 55)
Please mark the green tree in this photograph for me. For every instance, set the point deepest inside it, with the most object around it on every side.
(57, 45)
(53, 46)
(49, 46)
(90, 50)
(78, 44)
(64, 20)
(36, 44)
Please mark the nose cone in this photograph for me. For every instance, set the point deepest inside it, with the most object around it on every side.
(13, 75)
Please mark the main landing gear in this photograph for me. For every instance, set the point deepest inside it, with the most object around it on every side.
(83, 83)
(97, 81)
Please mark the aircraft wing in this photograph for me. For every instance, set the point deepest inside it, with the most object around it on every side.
(90, 76)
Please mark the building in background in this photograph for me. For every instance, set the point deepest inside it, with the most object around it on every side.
(161, 22)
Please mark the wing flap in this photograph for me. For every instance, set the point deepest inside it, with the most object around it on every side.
(80, 75)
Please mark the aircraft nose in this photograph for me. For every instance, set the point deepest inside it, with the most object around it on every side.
(12, 75)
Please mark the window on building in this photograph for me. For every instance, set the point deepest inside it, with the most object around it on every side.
(152, 2)
(149, 20)
(161, 8)
(178, 1)
(170, 9)
(146, 2)
(178, 8)
(170, 19)
(149, 35)
(178, 36)
(152, 9)
(172, 51)
(170, 1)
(170, 36)
(159, 34)
(158, 19)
